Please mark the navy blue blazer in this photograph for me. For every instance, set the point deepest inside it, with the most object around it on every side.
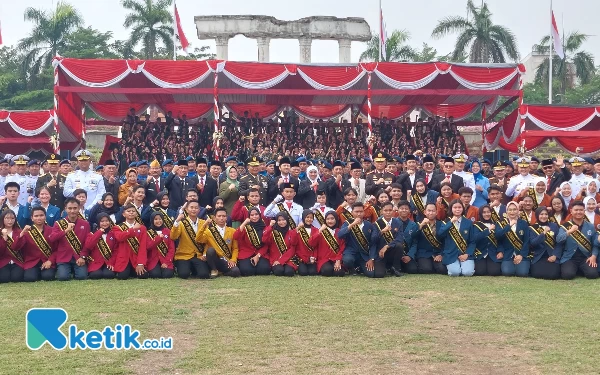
(422, 247)
(570, 245)
(431, 197)
(352, 245)
(450, 251)
(538, 248)
(52, 215)
(411, 230)
(522, 233)
(485, 245)
(378, 239)
(120, 218)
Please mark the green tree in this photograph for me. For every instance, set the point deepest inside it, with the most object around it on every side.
(426, 54)
(150, 22)
(48, 36)
(585, 94)
(88, 43)
(577, 63)
(396, 49)
(485, 41)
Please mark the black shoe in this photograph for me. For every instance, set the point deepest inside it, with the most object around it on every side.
(396, 272)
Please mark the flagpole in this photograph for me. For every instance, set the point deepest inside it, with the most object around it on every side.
(380, 33)
(174, 32)
(550, 57)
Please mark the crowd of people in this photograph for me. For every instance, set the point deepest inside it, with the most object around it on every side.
(175, 138)
(191, 217)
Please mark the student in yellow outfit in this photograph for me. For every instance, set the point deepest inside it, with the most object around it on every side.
(189, 256)
(221, 250)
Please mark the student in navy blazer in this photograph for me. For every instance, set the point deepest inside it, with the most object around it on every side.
(543, 249)
(515, 260)
(488, 257)
(495, 196)
(458, 261)
(43, 200)
(392, 251)
(355, 255)
(423, 251)
(425, 195)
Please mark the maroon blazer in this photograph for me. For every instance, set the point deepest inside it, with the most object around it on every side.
(64, 250)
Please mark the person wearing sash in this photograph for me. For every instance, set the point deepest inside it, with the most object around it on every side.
(161, 204)
(130, 253)
(11, 260)
(425, 249)
(281, 242)
(537, 193)
(443, 201)
(52, 212)
(388, 236)
(380, 198)
(558, 212)
(527, 212)
(329, 247)
(11, 202)
(107, 206)
(580, 243)
(189, 256)
(421, 197)
(161, 248)
(482, 184)
(38, 255)
(242, 207)
(137, 200)
(496, 196)
(220, 248)
(544, 252)
(249, 238)
(466, 195)
(488, 259)
(459, 241)
(514, 240)
(320, 208)
(360, 251)
(81, 196)
(289, 207)
(306, 252)
(591, 214)
(100, 246)
(344, 211)
(69, 235)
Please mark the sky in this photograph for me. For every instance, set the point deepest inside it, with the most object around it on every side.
(528, 19)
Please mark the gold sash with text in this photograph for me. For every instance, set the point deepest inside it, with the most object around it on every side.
(16, 255)
(71, 237)
(40, 241)
(578, 236)
(162, 246)
(133, 242)
(288, 217)
(219, 240)
(458, 239)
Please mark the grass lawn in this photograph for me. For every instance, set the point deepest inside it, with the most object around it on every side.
(316, 325)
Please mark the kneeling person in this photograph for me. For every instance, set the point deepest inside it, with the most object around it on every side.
(221, 248)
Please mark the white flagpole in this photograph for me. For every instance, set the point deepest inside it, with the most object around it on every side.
(174, 33)
(550, 57)
(380, 34)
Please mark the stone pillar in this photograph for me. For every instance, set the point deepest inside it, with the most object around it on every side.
(305, 50)
(345, 49)
(222, 47)
(263, 49)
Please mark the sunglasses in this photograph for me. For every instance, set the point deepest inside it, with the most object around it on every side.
(548, 167)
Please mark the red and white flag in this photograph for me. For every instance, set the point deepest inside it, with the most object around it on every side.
(382, 36)
(558, 47)
(0, 33)
(179, 31)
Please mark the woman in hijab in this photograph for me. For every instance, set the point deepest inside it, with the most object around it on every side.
(559, 212)
(100, 246)
(106, 205)
(305, 251)
(307, 191)
(590, 211)
(481, 184)
(281, 243)
(591, 190)
(161, 204)
(565, 193)
(160, 247)
(544, 252)
(420, 198)
(514, 239)
(252, 259)
(228, 190)
(487, 257)
(329, 247)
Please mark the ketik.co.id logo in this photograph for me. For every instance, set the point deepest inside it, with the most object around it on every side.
(43, 326)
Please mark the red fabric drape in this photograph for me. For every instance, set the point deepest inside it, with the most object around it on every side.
(116, 111)
(254, 72)
(183, 71)
(482, 74)
(108, 144)
(96, 70)
(191, 110)
(392, 112)
(457, 111)
(559, 116)
(331, 76)
(27, 120)
(321, 111)
(406, 72)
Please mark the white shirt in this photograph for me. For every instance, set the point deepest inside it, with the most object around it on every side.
(578, 182)
(295, 212)
(518, 183)
(90, 181)
(14, 209)
(469, 181)
(22, 181)
(221, 231)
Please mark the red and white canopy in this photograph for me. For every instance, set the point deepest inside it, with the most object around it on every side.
(571, 127)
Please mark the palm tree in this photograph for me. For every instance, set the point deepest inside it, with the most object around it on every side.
(48, 36)
(487, 42)
(151, 24)
(395, 48)
(576, 63)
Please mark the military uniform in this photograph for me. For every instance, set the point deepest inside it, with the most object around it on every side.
(248, 180)
(24, 182)
(520, 182)
(89, 180)
(578, 182)
(57, 197)
(371, 185)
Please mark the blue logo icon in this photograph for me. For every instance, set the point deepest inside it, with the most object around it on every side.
(43, 325)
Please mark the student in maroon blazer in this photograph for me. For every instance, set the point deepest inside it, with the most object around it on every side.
(329, 256)
(101, 260)
(39, 257)
(250, 260)
(131, 254)
(305, 251)
(160, 257)
(11, 261)
(281, 260)
(71, 258)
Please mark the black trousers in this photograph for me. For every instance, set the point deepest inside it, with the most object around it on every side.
(492, 268)
(393, 257)
(193, 266)
(220, 264)
(425, 266)
(577, 265)
(283, 270)
(130, 272)
(102, 273)
(481, 267)
(410, 267)
(36, 273)
(307, 269)
(248, 269)
(327, 270)
(11, 273)
(543, 269)
(160, 273)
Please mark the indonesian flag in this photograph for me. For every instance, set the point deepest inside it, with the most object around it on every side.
(558, 47)
(179, 31)
(0, 33)
(382, 37)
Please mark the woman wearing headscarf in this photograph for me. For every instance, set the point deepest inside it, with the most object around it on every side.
(481, 184)
(160, 248)
(591, 190)
(281, 245)
(100, 246)
(590, 212)
(488, 259)
(161, 204)
(420, 198)
(107, 206)
(126, 189)
(544, 252)
(564, 191)
(228, 190)
(308, 188)
(329, 247)
(514, 239)
(305, 251)
(251, 257)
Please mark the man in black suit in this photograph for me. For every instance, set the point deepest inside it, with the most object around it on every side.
(336, 185)
(307, 192)
(207, 187)
(407, 179)
(555, 173)
(153, 184)
(284, 177)
(448, 175)
(111, 180)
(428, 171)
(177, 183)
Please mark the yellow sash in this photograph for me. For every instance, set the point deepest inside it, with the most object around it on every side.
(190, 232)
(71, 237)
(514, 240)
(253, 237)
(430, 236)
(40, 241)
(319, 216)
(133, 242)
(305, 237)
(458, 239)
(578, 236)
(104, 249)
(387, 236)
(347, 215)
(219, 240)
(548, 240)
(167, 220)
(331, 241)
(531, 193)
(418, 203)
(496, 218)
(288, 217)
(360, 238)
(16, 255)
(162, 246)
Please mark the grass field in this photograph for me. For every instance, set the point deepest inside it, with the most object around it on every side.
(316, 325)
